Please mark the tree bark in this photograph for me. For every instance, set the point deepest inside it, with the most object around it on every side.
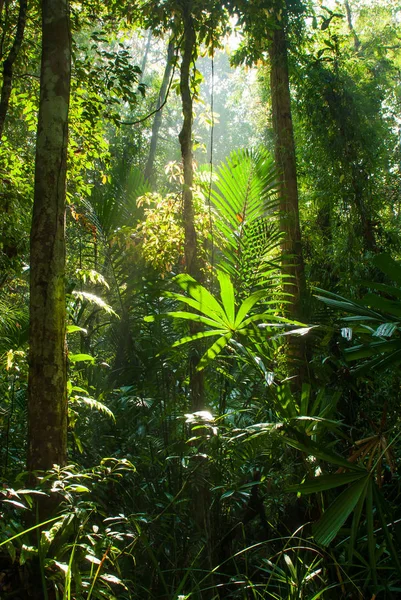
(47, 396)
(357, 43)
(293, 264)
(8, 64)
(192, 265)
(149, 171)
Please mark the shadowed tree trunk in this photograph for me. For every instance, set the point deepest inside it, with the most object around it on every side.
(192, 264)
(293, 264)
(8, 64)
(200, 488)
(47, 397)
(149, 172)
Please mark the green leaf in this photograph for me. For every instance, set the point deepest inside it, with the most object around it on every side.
(391, 307)
(74, 328)
(93, 299)
(213, 351)
(388, 266)
(326, 529)
(196, 318)
(198, 336)
(206, 301)
(326, 482)
(77, 487)
(227, 295)
(311, 448)
(81, 358)
(94, 404)
(247, 305)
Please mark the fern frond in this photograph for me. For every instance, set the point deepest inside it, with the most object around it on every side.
(93, 404)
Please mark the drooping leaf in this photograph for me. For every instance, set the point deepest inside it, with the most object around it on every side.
(326, 529)
(326, 482)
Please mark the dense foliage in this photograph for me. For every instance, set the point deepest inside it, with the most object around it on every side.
(280, 478)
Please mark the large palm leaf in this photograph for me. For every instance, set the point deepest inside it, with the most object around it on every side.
(244, 197)
(375, 322)
(225, 318)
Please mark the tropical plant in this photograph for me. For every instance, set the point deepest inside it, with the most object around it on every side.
(223, 317)
(244, 198)
(375, 320)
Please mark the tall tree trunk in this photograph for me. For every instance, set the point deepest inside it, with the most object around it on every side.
(293, 264)
(145, 56)
(192, 264)
(8, 64)
(149, 172)
(357, 43)
(47, 396)
(200, 487)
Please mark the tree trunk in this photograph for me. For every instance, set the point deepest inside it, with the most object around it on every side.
(145, 56)
(357, 43)
(293, 264)
(47, 396)
(200, 487)
(190, 244)
(149, 173)
(8, 64)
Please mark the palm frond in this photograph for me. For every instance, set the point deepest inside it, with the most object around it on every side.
(245, 199)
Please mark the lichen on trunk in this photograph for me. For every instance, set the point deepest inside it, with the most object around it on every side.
(293, 264)
(47, 395)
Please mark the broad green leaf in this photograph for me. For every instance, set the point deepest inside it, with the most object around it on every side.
(77, 487)
(196, 318)
(81, 358)
(311, 448)
(227, 296)
(305, 396)
(378, 363)
(372, 348)
(391, 307)
(247, 305)
(389, 266)
(198, 336)
(326, 529)
(213, 351)
(386, 329)
(74, 328)
(326, 482)
(207, 302)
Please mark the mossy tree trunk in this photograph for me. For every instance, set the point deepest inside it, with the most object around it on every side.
(47, 396)
(293, 264)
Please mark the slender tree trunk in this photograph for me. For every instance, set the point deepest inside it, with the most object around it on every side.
(145, 56)
(47, 398)
(200, 488)
(8, 64)
(149, 172)
(293, 264)
(191, 247)
(357, 43)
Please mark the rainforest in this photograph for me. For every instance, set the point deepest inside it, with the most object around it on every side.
(200, 299)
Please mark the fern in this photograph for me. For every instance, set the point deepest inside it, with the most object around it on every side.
(245, 199)
(93, 299)
(93, 404)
